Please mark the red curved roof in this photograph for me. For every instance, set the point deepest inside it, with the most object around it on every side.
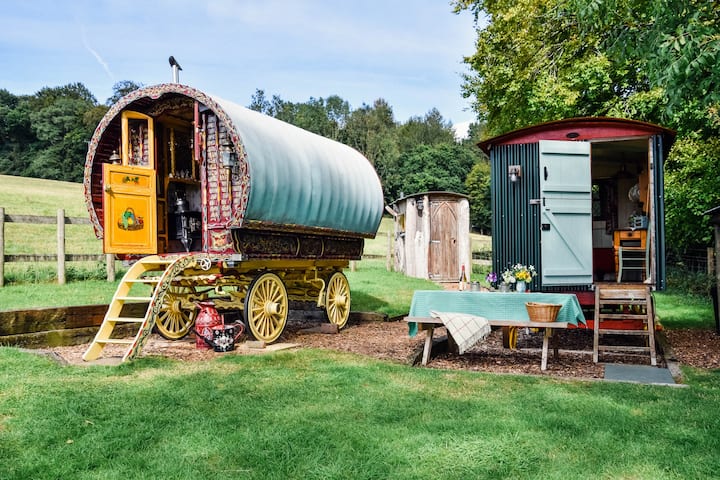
(580, 129)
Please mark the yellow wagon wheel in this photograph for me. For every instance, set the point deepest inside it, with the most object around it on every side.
(510, 335)
(176, 317)
(337, 299)
(266, 307)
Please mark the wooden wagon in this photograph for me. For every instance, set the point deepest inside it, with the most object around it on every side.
(214, 201)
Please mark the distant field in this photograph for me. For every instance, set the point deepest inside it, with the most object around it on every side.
(32, 196)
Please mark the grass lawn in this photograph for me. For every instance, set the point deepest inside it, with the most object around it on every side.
(316, 414)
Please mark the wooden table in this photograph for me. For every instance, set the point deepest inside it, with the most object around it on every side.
(429, 324)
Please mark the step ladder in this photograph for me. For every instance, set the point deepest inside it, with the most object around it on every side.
(627, 302)
(153, 271)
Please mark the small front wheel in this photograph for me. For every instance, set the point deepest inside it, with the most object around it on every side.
(176, 317)
(266, 307)
(337, 299)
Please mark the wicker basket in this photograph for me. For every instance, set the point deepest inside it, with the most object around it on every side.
(542, 312)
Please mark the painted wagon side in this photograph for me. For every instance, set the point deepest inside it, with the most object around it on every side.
(566, 195)
(224, 203)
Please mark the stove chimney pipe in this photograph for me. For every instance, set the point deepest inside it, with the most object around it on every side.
(175, 69)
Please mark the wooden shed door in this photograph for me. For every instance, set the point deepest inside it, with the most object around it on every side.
(443, 255)
(566, 213)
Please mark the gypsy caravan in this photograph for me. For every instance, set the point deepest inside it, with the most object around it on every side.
(216, 201)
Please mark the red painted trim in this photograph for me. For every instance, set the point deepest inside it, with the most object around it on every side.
(577, 129)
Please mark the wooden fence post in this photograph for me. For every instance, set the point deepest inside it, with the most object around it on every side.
(61, 246)
(711, 261)
(388, 259)
(110, 266)
(2, 247)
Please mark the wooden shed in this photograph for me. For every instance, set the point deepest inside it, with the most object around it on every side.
(432, 235)
(566, 195)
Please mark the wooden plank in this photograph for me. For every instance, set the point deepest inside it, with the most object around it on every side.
(624, 301)
(70, 257)
(61, 247)
(2, 247)
(623, 348)
(621, 316)
(614, 331)
(44, 220)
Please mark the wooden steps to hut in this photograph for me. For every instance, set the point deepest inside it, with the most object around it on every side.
(151, 271)
(624, 302)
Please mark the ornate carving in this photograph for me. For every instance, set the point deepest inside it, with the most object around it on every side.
(255, 244)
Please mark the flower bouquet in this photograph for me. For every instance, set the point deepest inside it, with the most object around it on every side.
(519, 273)
(492, 279)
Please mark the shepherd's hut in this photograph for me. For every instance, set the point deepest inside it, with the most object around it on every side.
(582, 200)
(432, 235)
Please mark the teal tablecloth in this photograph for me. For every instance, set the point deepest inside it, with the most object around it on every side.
(491, 305)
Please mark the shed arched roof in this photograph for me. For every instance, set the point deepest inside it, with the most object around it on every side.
(578, 129)
(292, 177)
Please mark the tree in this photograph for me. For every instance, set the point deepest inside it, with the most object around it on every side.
(441, 167)
(372, 131)
(259, 102)
(120, 89)
(676, 44)
(477, 185)
(692, 188)
(432, 129)
(534, 63)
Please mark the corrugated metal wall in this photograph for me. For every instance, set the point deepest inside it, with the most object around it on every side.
(661, 148)
(515, 221)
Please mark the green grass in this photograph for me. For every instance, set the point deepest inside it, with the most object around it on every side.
(321, 415)
(34, 196)
(679, 310)
(374, 289)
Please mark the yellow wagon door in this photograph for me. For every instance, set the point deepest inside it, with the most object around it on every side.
(129, 191)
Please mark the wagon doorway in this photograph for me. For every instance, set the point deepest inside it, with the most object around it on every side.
(443, 252)
(129, 190)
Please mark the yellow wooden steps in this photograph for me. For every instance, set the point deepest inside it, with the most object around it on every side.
(136, 275)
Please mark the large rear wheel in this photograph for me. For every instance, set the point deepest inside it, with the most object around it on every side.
(337, 299)
(266, 307)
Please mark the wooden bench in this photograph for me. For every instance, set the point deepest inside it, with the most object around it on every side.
(429, 324)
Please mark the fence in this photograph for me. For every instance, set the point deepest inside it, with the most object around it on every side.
(61, 257)
(694, 260)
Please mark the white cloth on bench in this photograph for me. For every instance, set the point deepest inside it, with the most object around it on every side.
(465, 329)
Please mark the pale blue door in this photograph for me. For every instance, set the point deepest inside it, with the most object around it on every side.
(566, 213)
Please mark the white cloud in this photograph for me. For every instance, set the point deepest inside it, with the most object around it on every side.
(461, 130)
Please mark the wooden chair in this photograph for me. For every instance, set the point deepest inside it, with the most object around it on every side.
(634, 258)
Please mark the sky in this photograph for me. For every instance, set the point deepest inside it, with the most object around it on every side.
(408, 52)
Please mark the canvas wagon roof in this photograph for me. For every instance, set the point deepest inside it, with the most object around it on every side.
(294, 177)
(578, 129)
